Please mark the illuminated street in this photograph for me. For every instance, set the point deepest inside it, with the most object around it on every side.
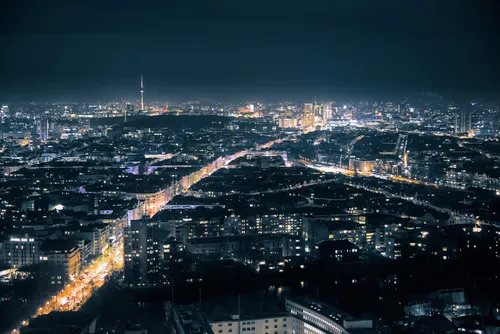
(82, 287)
(349, 172)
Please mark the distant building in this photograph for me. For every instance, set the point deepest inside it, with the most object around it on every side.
(463, 127)
(308, 117)
(338, 250)
(42, 128)
(288, 123)
(327, 112)
(4, 111)
(342, 227)
(240, 247)
(360, 165)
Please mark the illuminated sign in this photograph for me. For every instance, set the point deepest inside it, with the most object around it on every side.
(22, 239)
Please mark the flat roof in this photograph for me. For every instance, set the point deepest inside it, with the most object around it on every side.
(325, 310)
(59, 244)
(257, 305)
(192, 319)
(232, 238)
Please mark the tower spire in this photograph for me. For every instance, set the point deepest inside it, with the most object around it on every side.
(142, 93)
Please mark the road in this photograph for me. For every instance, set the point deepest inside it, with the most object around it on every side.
(83, 286)
(94, 275)
(269, 191)
(348, 172)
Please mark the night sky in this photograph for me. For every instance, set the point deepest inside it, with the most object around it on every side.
(249, 49)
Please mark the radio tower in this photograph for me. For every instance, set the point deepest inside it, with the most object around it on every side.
(142, 94)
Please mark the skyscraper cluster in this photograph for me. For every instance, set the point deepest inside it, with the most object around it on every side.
(316, 115)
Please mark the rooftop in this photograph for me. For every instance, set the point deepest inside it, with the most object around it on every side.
(58, 245)
(337, 244)
(231, 238)
(257, 305)
(59, 322)
(322, 308)
(192, 319)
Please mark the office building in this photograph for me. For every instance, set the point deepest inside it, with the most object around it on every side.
(308, 117)
(4, 111)
(250, 318)
(311, 316)
(249, 314)
(327, 112)
(20, 251)
(463, 123)
(287, 123)
(42, 128)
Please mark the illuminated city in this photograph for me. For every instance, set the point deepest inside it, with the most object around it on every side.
(324, 167)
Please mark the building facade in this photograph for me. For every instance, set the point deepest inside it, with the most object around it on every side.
(313, 317)
(21, 251)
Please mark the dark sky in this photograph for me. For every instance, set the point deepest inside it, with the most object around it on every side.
(98, 49)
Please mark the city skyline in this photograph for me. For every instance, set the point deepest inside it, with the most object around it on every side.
(263, 167)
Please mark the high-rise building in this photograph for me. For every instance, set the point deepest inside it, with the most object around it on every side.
(143, 253)
(287, 123)
(42, 128)
(308, 118)
(463, 123)
(4, 111)
(327, 111)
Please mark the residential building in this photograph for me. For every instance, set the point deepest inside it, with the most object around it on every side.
(64, 255)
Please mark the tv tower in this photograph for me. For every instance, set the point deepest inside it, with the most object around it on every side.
(142, 94)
